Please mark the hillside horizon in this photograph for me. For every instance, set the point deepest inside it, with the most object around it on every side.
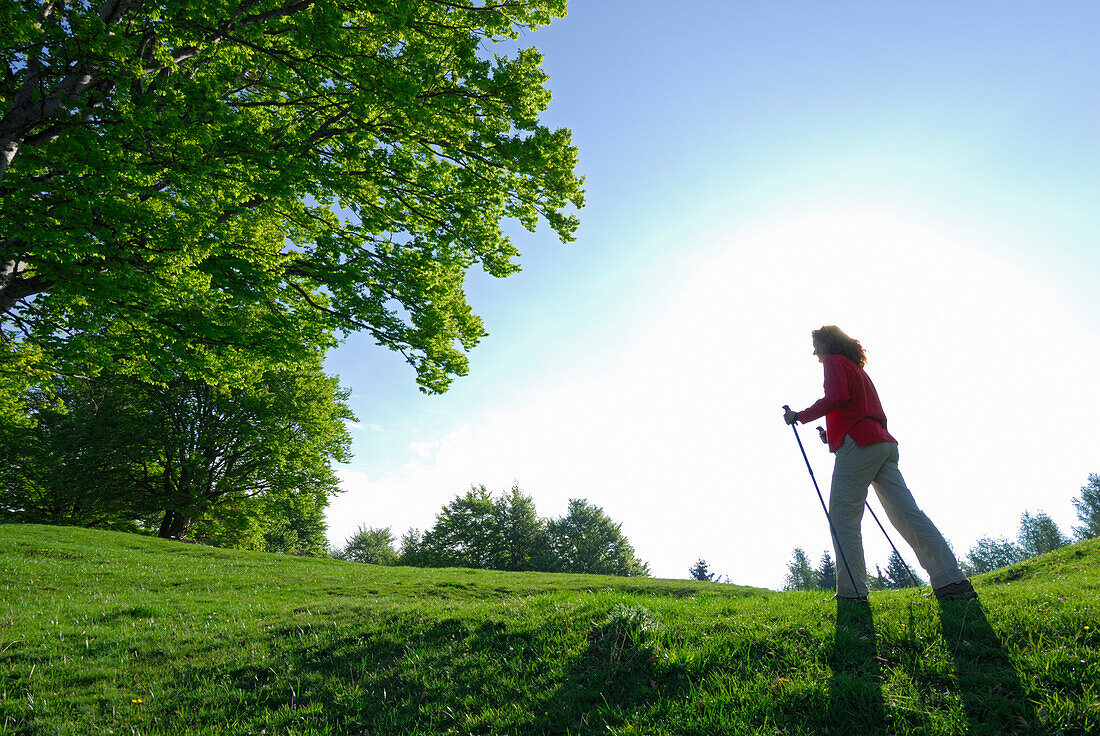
(107, 632)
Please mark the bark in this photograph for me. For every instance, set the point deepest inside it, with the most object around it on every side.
(14, 286)
(174, 525)
(30, 113)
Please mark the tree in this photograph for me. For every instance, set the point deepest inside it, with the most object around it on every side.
(409, 553)
(825, 574)
(586, 540)
(480, 531)
(221, 466)
(295, 523)
(73, 461)
(370, 545)
(465, 533)
(877, 581)
(1088, 509)
(701, 571)
(1038, 534)
(898, 574)
(187, 185)
(524, 543)
(800, 576)
(990, 554)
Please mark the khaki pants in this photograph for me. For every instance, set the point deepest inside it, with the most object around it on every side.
(856, 468)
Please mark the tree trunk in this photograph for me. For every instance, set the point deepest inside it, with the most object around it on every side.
(174, 525)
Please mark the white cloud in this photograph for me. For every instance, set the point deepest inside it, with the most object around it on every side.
(424, 449)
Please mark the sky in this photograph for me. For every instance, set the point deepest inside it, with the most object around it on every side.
(926, 176)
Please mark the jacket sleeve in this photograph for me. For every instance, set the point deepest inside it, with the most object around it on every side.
(836, 393)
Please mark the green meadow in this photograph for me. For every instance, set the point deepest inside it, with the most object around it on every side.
(109, 633)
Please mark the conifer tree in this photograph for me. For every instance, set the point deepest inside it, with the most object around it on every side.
(826, 572)
(1088, 509)
(701, 571)
(898, 574)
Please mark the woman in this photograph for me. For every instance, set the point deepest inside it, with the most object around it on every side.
(866, 454)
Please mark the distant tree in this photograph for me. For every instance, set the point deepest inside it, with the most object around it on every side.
(898, 573)
(523, 541)
(800, 576)
(409, 553)
(825, 575)
(480, 531)
(990, 554)
(465, 533)
(289, 523)
(370, 545)
(878, 580)
(1088, 509)
(700, 571)
(586, 540)
(296, 525)
(1039, 534)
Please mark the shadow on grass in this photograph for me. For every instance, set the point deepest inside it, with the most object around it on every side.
(855, 691)
(991, 693)
(429, 678)
(618, 679)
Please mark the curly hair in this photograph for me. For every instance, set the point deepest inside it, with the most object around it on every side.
(833, 339)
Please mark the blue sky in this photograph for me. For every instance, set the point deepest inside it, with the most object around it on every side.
(926, 176)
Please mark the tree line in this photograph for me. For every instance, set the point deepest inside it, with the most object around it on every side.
(487, 532)
(1037, 534)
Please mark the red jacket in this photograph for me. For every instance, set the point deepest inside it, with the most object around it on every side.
(850, 406)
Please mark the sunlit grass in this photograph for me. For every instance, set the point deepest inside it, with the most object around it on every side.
(110, 633)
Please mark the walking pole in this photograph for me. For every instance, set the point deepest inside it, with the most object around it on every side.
(912, 577)
(832, 529)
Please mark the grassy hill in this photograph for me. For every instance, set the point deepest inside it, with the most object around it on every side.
(103, 633)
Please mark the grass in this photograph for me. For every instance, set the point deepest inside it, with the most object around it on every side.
(106, 633)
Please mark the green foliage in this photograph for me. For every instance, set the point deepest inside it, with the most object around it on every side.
(1088, 509)
(586, 540)
(523, 542)
(369, 545)
(409, 552)
(898, 574)
(72, 462)
(701, 571)
(1039, 534)
(800, 576)
(218, 189)
(248, 468)
(825, 574)
(475, 530)
(990, 554)
(465, 534)
(105, 632)
(878, 580)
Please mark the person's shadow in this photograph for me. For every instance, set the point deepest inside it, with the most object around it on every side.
(990, 691)
(855, 690)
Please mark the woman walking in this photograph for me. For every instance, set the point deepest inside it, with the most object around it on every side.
(866, 455)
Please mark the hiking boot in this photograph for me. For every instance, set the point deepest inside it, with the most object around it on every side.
(955, 591)
(850, 599)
